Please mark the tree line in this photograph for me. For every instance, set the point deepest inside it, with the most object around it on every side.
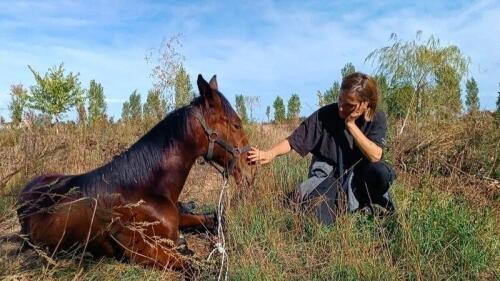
(416, 78)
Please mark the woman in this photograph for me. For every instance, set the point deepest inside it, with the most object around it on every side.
(346, 141)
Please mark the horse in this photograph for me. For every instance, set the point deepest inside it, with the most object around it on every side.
(129, 206)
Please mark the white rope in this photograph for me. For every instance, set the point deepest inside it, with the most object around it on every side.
(221, 240)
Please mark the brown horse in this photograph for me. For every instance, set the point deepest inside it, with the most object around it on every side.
(129, 207)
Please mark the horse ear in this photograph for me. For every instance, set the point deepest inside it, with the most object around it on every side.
(207, 91)
(213, 83)
(203, 86)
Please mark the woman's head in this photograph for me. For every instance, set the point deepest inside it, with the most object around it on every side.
(358, 92)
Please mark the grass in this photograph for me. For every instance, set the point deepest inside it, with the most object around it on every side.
(437, 233)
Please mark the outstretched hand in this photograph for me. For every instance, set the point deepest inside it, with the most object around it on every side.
(256, 156)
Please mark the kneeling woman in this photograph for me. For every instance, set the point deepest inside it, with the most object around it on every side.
(346, 141)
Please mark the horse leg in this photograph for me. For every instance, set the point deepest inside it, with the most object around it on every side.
(195, 222)
(149, 236)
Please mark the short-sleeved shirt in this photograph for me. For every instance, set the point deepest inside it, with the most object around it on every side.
(325, 135)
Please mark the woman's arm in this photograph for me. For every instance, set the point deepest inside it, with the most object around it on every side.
(264, 157)
(370, 149)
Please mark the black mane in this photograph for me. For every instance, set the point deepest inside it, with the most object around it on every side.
(138, 165)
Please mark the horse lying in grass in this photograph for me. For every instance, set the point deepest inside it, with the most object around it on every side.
(129, 207)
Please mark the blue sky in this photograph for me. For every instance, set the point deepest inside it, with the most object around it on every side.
(256, 48)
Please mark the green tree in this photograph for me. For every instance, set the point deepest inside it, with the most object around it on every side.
(97, 103)
(126, 111)
(241, 108)
(279, 110)
(82, 113)
(347, 69)
(268, 113)
(472, 96)
(54, 93)
(135, 107)
(293, 108)
(155, 106)
(423, 76)
(497, 112)
(383, 89)
(18, 99)
(329, 96)
(183, 89)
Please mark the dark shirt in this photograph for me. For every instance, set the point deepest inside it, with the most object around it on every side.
(325, 135)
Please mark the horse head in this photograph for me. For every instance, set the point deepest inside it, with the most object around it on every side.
(226, 142)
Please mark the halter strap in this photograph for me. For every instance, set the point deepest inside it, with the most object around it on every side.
(213, 138)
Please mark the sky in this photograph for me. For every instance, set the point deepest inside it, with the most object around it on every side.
(256, 48)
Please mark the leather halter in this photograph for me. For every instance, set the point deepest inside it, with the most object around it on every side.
(213, 138)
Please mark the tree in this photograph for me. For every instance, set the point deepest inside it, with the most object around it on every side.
(166, 62)
(54, 93)
(82, 113)
(332, 95)
(155, 106)
(126, 111)
(135, 108)
(497, 112)
(424, 77)
(293, 108)
(268, 113)
(383, 88)
(279, 110)
(18, 100)
(347, 69)
(329, 96)
(97, 104)
(472, 96)
(252, 102)
(241, 109)
(183, 89)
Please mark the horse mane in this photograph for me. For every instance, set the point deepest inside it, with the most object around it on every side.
(138, 165)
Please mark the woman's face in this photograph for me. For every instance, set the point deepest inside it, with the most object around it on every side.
(349, 103)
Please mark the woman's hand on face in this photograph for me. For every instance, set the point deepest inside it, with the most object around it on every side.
(259, 156)
(360, 110)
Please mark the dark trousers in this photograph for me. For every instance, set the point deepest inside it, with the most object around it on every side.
(327, 194)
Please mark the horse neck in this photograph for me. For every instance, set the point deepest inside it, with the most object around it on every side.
(180, 157)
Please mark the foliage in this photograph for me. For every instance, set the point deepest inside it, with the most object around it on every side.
(82, 113)
(497, 111)
(332, 95)
(347, 69)
(126, 111)
(293, 107)
(167, 63)
(241, 108)
(423, 76)
(54, 93)
(155, 106)
(251, 103)
(279, 110)
(135, 106)
(183, 89)
(268, 112)
(97, 103)
(18, 100)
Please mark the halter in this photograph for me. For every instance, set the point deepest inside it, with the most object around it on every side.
(213, 138)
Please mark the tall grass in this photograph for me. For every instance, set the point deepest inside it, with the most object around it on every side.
(436, 233)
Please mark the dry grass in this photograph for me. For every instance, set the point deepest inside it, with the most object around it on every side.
(438, 232)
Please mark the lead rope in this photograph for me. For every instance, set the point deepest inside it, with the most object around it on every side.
(221, 240)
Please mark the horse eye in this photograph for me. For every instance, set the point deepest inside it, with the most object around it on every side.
(237, 126)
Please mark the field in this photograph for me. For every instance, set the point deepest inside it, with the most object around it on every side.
(446, 225)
